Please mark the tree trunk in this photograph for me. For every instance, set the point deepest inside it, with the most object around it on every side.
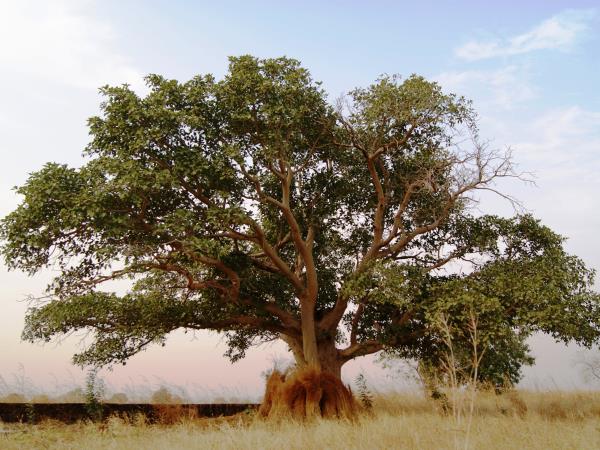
(328, 355)
(329, 358)
(309, 337)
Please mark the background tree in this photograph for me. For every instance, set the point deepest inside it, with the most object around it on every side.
(521, 282)
(251, 206)
(588, 362)
(503, 356)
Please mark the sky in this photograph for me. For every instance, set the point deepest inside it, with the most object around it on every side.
(531, 69)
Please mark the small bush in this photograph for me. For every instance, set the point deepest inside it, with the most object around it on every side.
(365, 396)
(94, 391)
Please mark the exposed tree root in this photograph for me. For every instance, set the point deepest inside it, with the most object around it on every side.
(306, 393)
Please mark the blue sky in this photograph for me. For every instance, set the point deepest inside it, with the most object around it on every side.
(531, 69)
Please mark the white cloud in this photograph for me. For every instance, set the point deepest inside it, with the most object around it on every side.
(560, 32)
(62, 42)
(505, 87)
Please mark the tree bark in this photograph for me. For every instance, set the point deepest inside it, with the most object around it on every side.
(328, 356)
(309, 334)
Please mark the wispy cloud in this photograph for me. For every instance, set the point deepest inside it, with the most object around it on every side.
(61, 41)
(505, 87)
(560, 32)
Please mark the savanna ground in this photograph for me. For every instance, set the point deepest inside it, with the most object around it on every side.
(515, 420)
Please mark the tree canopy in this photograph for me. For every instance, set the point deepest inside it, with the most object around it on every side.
(252, 206)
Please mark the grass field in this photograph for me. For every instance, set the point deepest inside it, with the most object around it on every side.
(518, 420)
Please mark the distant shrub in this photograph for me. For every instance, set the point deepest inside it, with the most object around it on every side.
(73, 396)
(40, 398)
(13, 398)
(118, 397)
(164, 396)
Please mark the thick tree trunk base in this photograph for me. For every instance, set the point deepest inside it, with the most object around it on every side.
(307, 393)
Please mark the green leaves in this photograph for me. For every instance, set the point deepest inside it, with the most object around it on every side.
(48, 217)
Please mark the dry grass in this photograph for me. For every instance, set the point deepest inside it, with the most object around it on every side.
(520, 420)
(551, 405)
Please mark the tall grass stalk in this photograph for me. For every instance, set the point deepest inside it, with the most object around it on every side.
(462, 387)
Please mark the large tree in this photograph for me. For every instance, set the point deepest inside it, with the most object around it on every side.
(253, 207)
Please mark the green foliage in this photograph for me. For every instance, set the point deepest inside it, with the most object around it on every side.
(238, 204)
